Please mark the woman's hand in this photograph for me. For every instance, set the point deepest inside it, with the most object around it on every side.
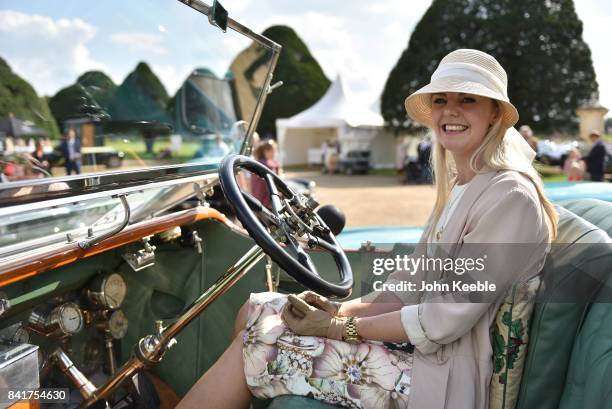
(321, 302)
(304, 319)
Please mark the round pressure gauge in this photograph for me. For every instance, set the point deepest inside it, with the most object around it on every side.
(67, 319)
(109, 291)
(21, 336)
(118, 324)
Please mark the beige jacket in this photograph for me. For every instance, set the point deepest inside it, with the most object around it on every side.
(453, 355)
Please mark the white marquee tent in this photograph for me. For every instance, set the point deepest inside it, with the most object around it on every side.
(335, 116)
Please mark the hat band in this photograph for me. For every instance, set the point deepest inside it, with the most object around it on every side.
(472, 73)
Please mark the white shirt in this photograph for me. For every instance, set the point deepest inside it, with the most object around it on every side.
(454, 198)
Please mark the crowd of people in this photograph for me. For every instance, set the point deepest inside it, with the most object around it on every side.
(578, 167)
(33, 160)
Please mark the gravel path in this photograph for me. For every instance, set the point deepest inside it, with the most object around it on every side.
(373, 200)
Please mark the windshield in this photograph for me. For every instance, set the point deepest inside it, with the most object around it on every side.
(158, 87)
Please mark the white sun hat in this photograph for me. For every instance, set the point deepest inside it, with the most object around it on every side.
(465, 71)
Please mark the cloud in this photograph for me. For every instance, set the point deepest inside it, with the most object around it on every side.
(140, 41)
(596, 18)
(172, 75)
(49, 53)
(341, 40)
(331, 43)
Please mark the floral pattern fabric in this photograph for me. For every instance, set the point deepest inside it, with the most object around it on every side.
(279, 362)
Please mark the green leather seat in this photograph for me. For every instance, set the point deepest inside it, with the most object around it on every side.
(578, 267)
(296, 402)
(594, 211)
(588, 384)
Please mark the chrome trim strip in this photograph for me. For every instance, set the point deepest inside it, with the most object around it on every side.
(46, 202)
(71, 186)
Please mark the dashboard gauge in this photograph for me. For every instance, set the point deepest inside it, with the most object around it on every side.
(67, 319)
(118, 324)
(109, 291)
(21, 336)
(63, 320)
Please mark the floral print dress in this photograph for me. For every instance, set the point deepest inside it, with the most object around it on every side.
(279, 362)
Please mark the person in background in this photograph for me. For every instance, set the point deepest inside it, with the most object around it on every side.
(527, 133)
(9, 145)
(573, 167)
(220, 148)
(401, 154)
(424, 157)
(265, 153)
(40, 156)
(330, 156)
(71, 151)
(596, 159)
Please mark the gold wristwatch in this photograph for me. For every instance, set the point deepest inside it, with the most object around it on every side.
(350, 333)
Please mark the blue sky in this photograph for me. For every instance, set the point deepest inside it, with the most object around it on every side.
(51, 42)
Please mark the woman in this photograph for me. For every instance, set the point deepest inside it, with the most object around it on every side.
(487, 194)
(266, 153)
(40, 157)
(574, 166)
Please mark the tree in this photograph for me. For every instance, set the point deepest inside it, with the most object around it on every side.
(91, 88)
(303, 79)
(18, 97)
(141, 96)
(538, 42)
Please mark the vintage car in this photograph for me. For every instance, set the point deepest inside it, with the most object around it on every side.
(116, 295)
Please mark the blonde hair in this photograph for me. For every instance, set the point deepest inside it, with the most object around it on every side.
(491, 155)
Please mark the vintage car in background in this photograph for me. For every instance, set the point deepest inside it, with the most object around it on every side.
(115, 293)
(102, 155)
(554, 153)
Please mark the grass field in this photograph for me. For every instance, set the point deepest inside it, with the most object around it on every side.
(135, 149)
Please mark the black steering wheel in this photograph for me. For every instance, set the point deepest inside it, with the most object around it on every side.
(288, 227)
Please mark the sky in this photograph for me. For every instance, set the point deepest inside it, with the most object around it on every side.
(50, 43)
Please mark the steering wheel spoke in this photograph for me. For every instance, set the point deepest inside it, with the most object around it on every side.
(324, 244)
(288, 221)
(258, 207)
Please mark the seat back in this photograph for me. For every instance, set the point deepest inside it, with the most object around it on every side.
(594, 211)
(588, 385)
(576, 268)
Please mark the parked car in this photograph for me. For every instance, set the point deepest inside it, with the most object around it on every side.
(104, 275)
(354, 162)
(553, 153)
(102, 155)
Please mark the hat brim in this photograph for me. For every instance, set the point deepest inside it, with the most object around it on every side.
(418, 104)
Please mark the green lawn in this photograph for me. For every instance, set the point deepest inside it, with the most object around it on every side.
(550, 173)
(136, 148)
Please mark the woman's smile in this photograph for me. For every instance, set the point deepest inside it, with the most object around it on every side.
(454, 129)
(462, 121)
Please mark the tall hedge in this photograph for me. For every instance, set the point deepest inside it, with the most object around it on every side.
(303, 79)
(18, 97)
(91, 88)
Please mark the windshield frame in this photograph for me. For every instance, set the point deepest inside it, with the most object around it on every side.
(128, 180)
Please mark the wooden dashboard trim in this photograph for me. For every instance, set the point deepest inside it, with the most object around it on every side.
(18, 270)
